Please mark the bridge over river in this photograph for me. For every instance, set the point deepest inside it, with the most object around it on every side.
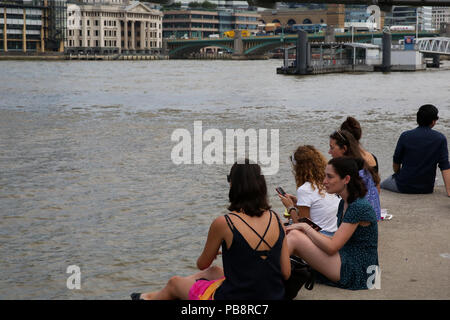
(436, 45)
(252, 47)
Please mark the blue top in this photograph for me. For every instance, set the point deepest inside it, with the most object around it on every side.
(249, 275)
(360, 251)
(419, 151)
(372, 195)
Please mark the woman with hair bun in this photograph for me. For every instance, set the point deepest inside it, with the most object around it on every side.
(342, 143)
(354, 127)
(347, 259)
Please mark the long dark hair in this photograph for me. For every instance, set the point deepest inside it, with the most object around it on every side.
(346, 138)
(348, 166)
(248, 190)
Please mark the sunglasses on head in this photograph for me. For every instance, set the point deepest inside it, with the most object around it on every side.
(293, 161)
(341, 135)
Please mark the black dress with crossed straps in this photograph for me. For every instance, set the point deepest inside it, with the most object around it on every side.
(247, 275)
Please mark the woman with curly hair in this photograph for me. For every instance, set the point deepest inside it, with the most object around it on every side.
(312, 201)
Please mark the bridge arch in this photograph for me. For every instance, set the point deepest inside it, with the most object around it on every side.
(291, 22)
(191, 48)
(267, 46)
(307, 21)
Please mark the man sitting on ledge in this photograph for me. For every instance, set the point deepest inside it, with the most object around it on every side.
(417, 154)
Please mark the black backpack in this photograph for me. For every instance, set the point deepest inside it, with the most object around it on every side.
(301, 274)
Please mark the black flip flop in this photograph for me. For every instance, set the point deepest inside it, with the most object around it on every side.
(136, 296)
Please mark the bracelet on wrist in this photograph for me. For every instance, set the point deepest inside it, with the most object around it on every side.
(306, 231)
(292, 208)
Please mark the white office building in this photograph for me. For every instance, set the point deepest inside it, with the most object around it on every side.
(440, 15)
(112, 26)
(419, 17)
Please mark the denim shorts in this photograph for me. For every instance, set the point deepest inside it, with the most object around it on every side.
(327, 233)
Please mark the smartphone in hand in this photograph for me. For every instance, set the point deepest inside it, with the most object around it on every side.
(281, 191)
(312, 224)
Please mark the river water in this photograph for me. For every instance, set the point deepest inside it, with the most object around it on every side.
(87, 177)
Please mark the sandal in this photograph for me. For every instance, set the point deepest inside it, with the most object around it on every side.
(136, 296)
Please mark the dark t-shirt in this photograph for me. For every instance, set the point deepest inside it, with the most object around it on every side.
(419, 151)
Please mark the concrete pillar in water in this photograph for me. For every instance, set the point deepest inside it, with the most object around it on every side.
(164, 48)
(387, 43)
(308, 56)
(436, 60)
(238, 43)
(302, 47)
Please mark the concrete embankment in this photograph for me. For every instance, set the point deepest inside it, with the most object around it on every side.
(117, 57)
(413, 251)
(32, 57)
(55, 57)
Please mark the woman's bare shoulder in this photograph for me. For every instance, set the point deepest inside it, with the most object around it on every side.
(368, 157)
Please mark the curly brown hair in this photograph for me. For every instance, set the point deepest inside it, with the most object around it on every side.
(309, 167)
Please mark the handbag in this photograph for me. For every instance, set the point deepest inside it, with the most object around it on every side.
(301, 274)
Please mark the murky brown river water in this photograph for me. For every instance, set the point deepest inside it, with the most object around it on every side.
(86, 175)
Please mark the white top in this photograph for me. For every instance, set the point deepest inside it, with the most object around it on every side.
(322, 209)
